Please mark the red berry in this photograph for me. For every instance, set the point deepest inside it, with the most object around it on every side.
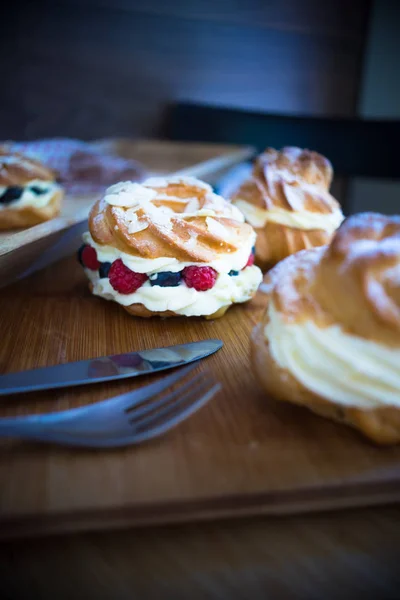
(89, 258)
(250, 262)
(123, 280)
(200, 278)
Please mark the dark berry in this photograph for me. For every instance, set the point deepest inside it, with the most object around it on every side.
(104, 269)
(123, 280)
(166, 279)
(11, 194)
(87, 256)
(37, 190)
(233, 273)
(200, 278)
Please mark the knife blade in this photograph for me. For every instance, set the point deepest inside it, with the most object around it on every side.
(106, 368)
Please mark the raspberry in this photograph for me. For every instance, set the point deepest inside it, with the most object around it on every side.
(250, 262)
(88, 257)
(123, 280)
(199, 278)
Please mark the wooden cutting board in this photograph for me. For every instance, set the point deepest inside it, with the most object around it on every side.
(240, 455)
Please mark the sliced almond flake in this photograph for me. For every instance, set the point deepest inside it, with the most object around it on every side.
(192, 206)
(136, 227)
(215, 228)
(190, 244)
(129, 194)
(171, 198)
(160, 215)
(176, 179)
(203, 212)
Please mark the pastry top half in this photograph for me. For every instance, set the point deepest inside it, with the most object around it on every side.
(333, 319)
(163, 226)
(290, 187)
(24, 182)
(179, 218)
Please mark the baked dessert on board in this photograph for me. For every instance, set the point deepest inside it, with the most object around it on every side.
(29, 193)
(168, 247)
(330, 339)
(287, 201)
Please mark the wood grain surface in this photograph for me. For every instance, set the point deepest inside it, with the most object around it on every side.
(241, 454)
(344, 555)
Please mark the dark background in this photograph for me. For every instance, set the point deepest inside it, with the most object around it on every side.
(95, 68)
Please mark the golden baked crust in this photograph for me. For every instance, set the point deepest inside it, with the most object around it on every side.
(381, 425)
(18, 170)
(12, 218)
(292, 180)
(275, 242)
(139, 310)
(185, 232)
(354, 282)
(357, 281)
(108, 225)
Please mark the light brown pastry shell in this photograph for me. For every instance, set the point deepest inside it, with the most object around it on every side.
(294, 180)
(354, 283)
(108, 226)
(275, 242)
(381, 425)
(26, 216)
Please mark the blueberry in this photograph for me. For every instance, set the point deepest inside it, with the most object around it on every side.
(167, 279)
(79, 254)
(11, 193)
(233, 273)
(37, 190)
(104, 269)
(253, 250)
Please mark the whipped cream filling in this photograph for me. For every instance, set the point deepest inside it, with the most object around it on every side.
(259, 217)
(234, 261)
(340, 367)
(29, 197)
(181, 299)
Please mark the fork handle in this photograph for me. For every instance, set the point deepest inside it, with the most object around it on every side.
(21, 427)
(34, 426)
(27, 429)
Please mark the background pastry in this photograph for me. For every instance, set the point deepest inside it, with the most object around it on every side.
(287, 201)
(29, 193)
(330, 339)
(169, 247)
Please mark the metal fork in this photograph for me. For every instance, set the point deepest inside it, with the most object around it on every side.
(127, 419)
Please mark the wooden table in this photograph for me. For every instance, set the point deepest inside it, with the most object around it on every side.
(344, 554)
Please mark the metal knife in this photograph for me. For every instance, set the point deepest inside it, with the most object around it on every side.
(106, 368)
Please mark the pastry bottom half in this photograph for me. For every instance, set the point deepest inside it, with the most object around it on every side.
(275, 242)
(381, 425)
(26, 216)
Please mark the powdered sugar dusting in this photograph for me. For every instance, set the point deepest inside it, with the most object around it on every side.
(176, 179)
(128, 194)
(216, 229)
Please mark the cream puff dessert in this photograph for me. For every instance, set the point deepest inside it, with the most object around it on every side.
(287, 201)
(29, 193)
(330, 339)
(169, 246)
